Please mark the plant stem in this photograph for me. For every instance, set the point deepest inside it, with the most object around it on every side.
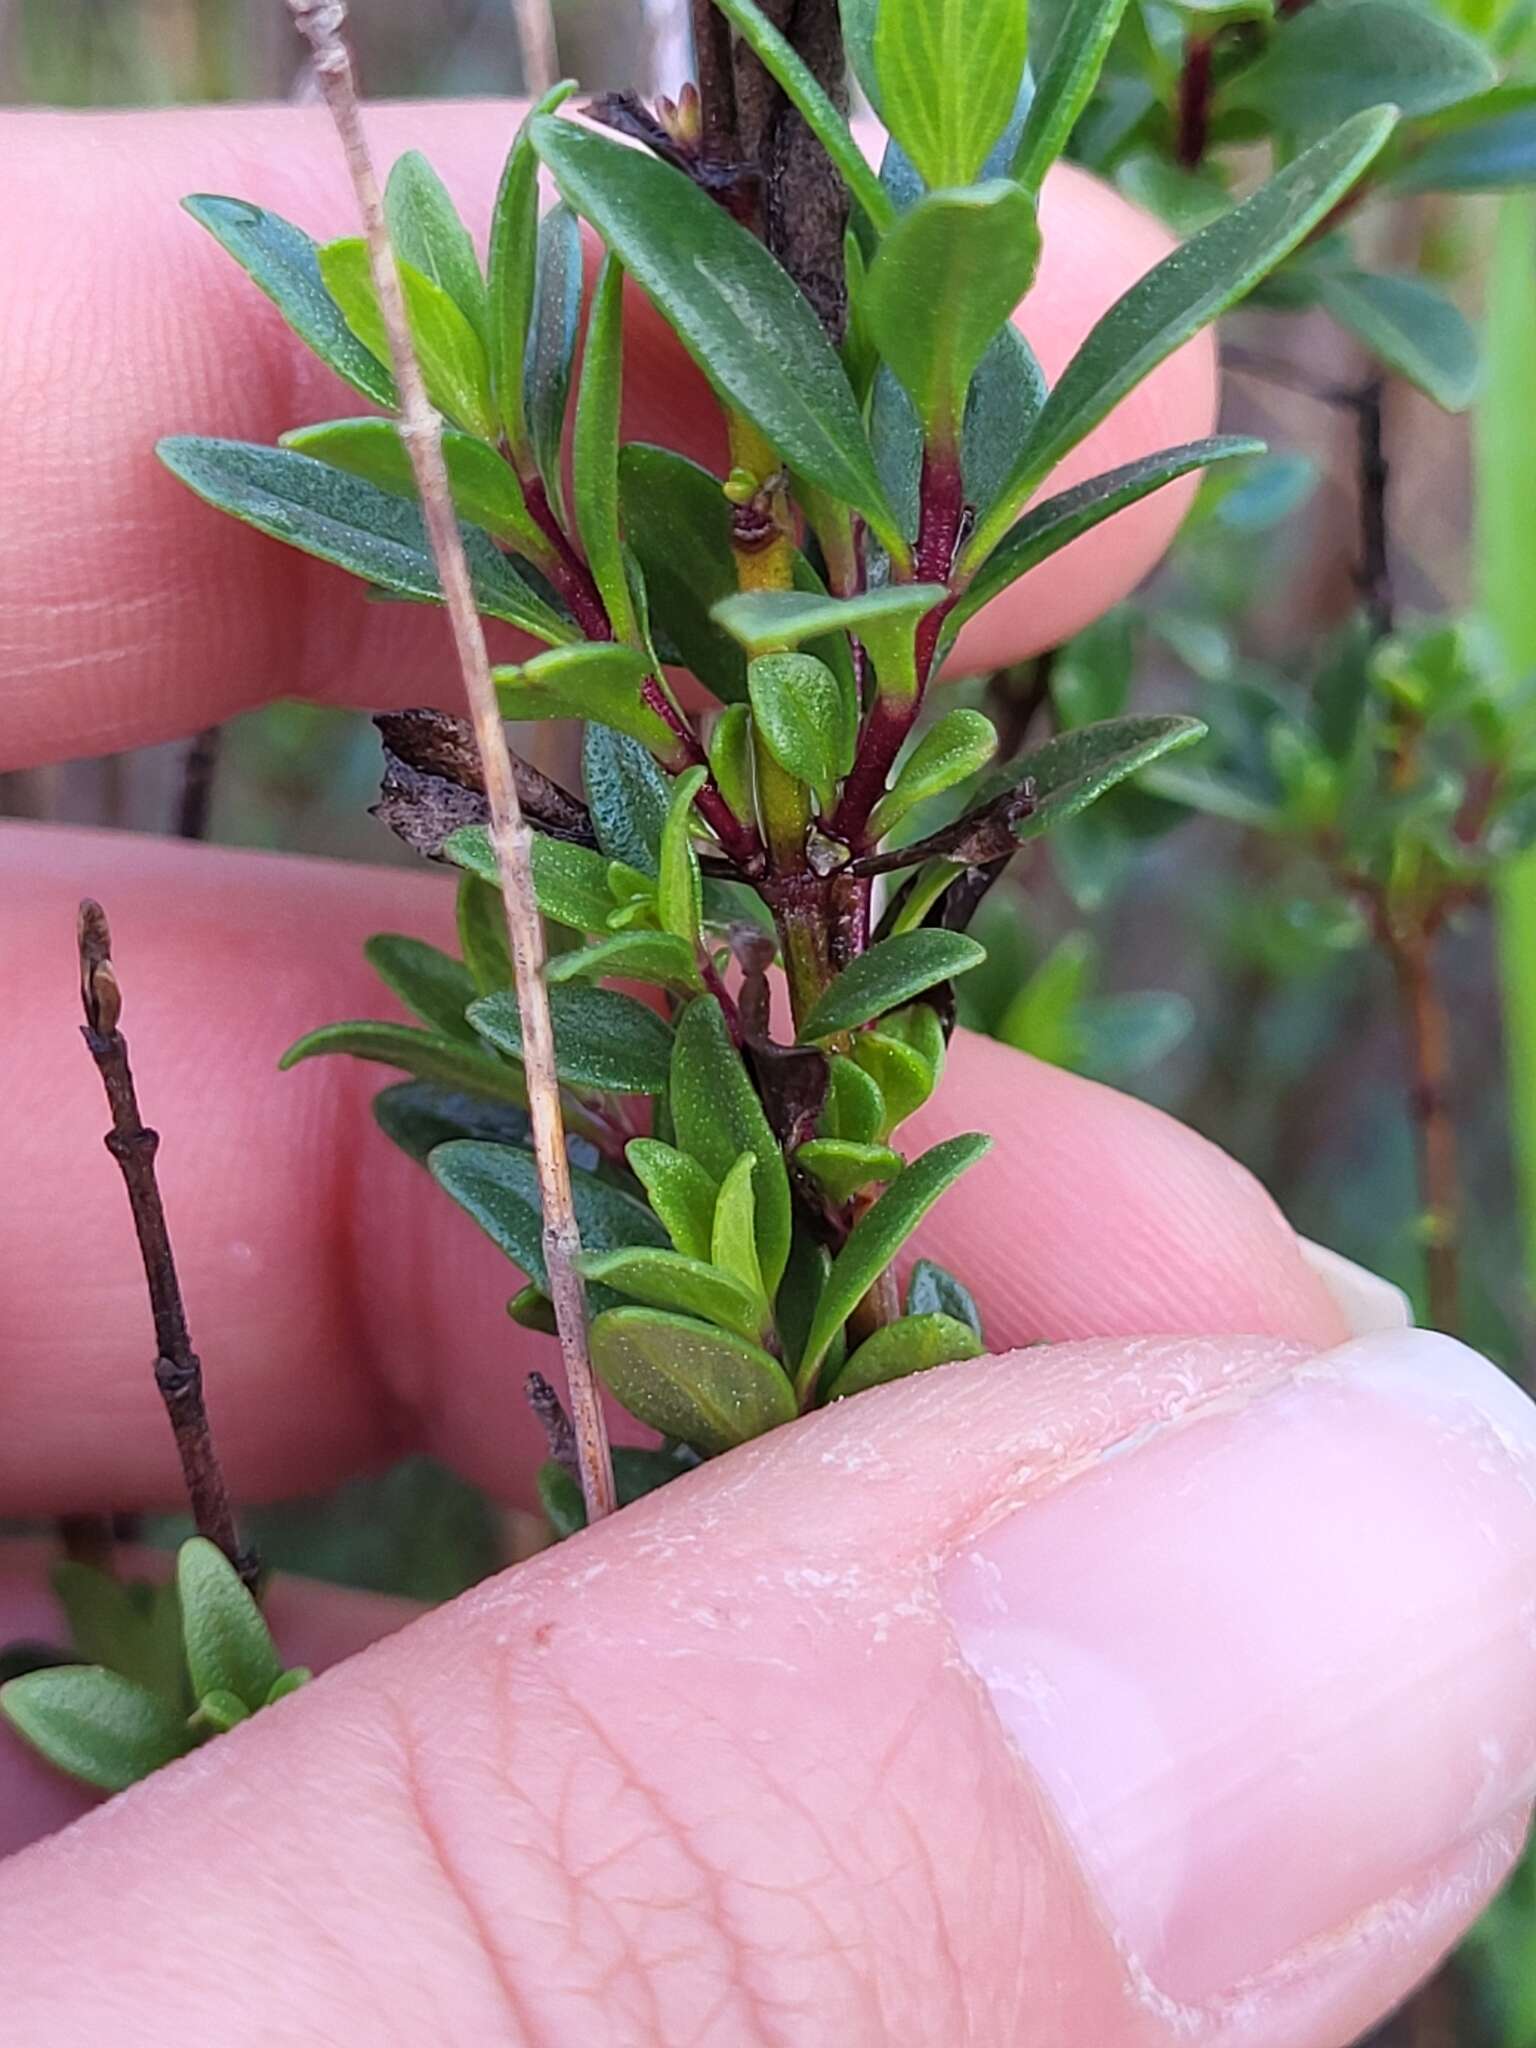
(1194, 113)
(198, 771)
(321, 23)
(1426, 1025)
(1374, 573)
(718, 142)
(178, 1370)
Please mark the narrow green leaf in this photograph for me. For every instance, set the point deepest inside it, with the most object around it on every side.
(1339, 57)
(717, 1116)
(627, 795)
(730, 759)
(510, 265)
(954, 747)
(1075, 768)
(95, 1725)
(451, 353)
(1182, 294)
(498, 1185)
(428, 981)
(486, 491)
(680, 1191)
(698, 1385)
(659, 958)
(551, 345)
(904, 1078)
(878, 1236)
(1001, 408)
(597, 680)
(427, 232)
(128, 1625)
(945, 280)
(344, 520)
(842, 1168)
(677, 522)
(1414, 328)
(603, 1038)
(915, 1344)
(949, 73)
(679, 884)
(690, 1287)
(742, 319)
(893, 971)
(417, 1115)
(931, 1290)
(1084, 32)
(570, 882)
(1122, 1037)
(482, 922)
(854, 1108)
(426, 1054)
(806, 719)
(884, 619)
(595, 450)
(733, 1235)
(1497, 155)
(228, 1645)
(282, 261)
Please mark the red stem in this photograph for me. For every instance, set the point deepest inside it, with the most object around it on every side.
(1194, 103)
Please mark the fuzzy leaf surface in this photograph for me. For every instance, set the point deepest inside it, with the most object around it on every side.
(94, 1724)
(451, 353)
(438, 988)
(603, 1038)
(486, 491)
(914, 1344)
(892, 972)
(228, 1645)
(596, 680)
(425, 227)
(680, 1191)
(682, 1286)
(697, 1384)
(1075, 768)
(426, 1054)
(498, 1185)
(717, 1116)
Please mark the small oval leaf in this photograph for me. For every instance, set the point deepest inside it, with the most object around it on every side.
(603, 1038)
(698, 1385)
(892, 972)
(914, 1344)
(95, 1725)
(228, 1645)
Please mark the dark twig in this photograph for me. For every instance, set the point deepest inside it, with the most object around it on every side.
(1374, 574)
(718, 142)
(198, 772)
(178, 1371)
(549, 1412)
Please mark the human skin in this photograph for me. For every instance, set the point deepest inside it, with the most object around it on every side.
(1174, 1683)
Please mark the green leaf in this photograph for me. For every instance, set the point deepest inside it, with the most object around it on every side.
(841, 1167)
(733, 1236)
(892, 972)
(1496, 155)
(228, 1645)
(426, 1054)
(282, 261)
(595, 451)
(510, 265)
(687, 1380)
(859, 36)
(1074, 769)
(429, 982)
(945, 281)
(739, 315)
(1182, 294)
(690, 1287)
(425, 227)
(854, 1108)
(680, 1191)
(94, 1724)
(531, 1309)
(1041, 1018)
(486, 491)
(680, 885)
(603, 1039)
(877, 1237)
(730, 759)
(596, 680)
(659, 958)
(627, 795)
(1339, 57)
(1084, 33)
(807, 720)
(885, 620)
(482, 922)
(128, 1625)
(570, 882)
(560, 1498)
(451, 353)
(1121, 1037)
(949, 73)
(931, 1290)
(1415, 330)
(1004, 401)
(954, 747)
(498, 1185)
(222, 1711)
(914, 1344)
(717, 1116)
(417, 1115)
(551, 344)
(677, 522)
(344, 520)
(904, 1078)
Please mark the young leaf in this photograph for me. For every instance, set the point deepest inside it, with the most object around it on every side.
(717, 1116)
(627, 795)
(95, 1725)
(733, 1236)
(228, 1645)
(498, 1185)
(677, 522)
(1084, 32)
(418, 1115)
(842, 1168)
(595, 450)
(482, 922)
(877, 1237)
(560, 1497)
(1494, 155)
(510, 266)
(914, 1344)
(660, 959)
(452, 355)
(570, 882)
(1341, 56)
(603, 1039)
(892, 972)
(949, 73)
(1184, 293)
(282, 261)
(131, 1627)
(807, 720)
(680, 885)
(742, 319)
(1001, 407)
(956, 746)
(597, 680)
(944, 282)
(903, 1077)
(431, 983)
(690, 1287)
(680, 1191)
(730, 759)
(551, 344)
(1074, 769)
(933, 1291)
(426, 1054)
(1414, 328)
(885, 619)
(349, 522)
(486, 491)
(691, 1382)
(854, 1108)
(425, 227)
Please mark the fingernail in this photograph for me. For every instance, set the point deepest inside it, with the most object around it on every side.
(1363, 1298)
(1269, 1664)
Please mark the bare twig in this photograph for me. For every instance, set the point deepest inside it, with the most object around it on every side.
(1374, 572)
(198, 772)
(321, 23)
(534, 21)
(178, 1371)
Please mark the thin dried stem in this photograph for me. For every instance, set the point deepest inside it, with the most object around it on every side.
(321, 23)
(534, 22)
(178, 1370)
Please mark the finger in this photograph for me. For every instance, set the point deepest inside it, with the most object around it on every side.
(924, 1720)
(131, 612)
(344, 1308)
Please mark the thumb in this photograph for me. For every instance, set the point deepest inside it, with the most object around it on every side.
(1132, 1693)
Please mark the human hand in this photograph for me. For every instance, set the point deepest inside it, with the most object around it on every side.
(1135, 1691)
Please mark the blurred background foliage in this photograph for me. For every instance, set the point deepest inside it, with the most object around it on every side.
(1200, 943)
